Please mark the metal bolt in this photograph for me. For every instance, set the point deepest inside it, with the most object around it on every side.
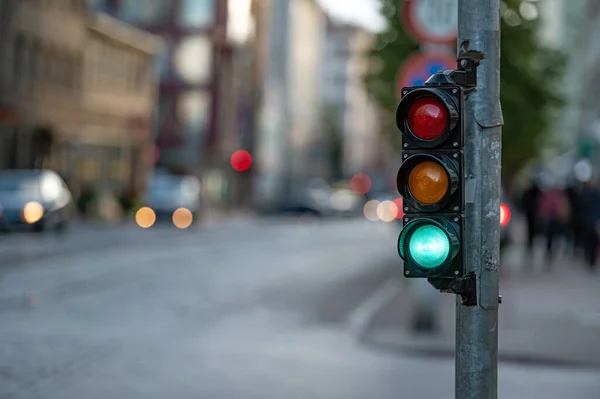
(405, 156)
(456, 272)
(407, 272)
(456, 219)
(499, 298)
(455, 144)
(404, 92)
(463, 63)
(454, 91)
(456, 208)
(405, 209)
(455, 155)
(406, 219)
(405, 145)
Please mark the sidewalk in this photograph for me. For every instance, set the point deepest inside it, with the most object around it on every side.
(546, 317)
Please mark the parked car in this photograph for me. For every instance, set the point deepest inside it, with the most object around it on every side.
(38, 199)
(167, 194)
(312, 197)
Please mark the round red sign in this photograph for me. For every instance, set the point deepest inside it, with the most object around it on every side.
(431, 21)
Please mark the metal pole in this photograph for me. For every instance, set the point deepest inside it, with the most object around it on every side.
(477, 326)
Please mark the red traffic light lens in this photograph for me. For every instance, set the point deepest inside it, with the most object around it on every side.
(427, 118)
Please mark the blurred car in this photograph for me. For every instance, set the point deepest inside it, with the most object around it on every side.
(2, 223)
(505, 216)
(36, 198)
(344, 201)
(172, 197)
(312, 197)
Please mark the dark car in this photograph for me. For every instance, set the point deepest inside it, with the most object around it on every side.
(167, 194)
(38, 199)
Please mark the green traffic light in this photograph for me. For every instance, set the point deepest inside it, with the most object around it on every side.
(429, 246)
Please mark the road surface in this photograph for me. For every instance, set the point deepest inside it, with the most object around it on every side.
(243, 309)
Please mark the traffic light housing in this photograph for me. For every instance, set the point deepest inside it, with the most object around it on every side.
(430, 179)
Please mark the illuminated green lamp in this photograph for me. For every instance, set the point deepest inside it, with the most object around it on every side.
(429, 247)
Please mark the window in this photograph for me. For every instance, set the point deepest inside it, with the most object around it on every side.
(193, 111)
(196, 13)
(141, 73)
(193, 59)
(18, 55)
(162, 62)
(153, 11)
(33, 54)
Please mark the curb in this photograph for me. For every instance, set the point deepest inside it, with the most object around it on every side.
(438, 347)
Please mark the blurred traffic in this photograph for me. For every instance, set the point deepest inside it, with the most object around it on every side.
(199, 198)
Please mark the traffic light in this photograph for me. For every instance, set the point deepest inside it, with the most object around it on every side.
(430, 179)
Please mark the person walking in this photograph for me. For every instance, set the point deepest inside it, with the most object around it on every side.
(590, 206)
(529, 202)
(554, 213)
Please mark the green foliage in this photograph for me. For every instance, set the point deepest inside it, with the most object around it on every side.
(530, 77)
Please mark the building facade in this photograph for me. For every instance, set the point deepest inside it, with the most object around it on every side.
(289, 143)
(345, 94)
(191, 69)
(76, 93)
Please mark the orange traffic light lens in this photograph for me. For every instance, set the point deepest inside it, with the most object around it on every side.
(428, 182)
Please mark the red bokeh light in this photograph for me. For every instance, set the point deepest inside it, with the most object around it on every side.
(427, 118)
(360, 183)
(398, 203)
(241, 160)
(504, 214)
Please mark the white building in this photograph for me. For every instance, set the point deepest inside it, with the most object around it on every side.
(562, 23)
(290, 112)
(344, 92)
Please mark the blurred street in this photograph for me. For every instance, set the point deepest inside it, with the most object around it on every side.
(253, 308)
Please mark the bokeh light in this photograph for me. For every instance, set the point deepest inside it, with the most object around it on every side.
(360, 183)
(182, 218)
(387, 211)
(241, 160)
(400, 206)
(32, 212)
(145, 217)
(370, 210)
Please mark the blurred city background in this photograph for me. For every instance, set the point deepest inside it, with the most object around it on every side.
(198, 200)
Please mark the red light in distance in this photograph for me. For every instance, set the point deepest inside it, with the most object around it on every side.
(360, 183)
(504, 214)
(241, 160)
(398, 203)
(427, 118)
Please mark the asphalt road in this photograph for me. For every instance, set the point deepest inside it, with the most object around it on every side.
(243, 309)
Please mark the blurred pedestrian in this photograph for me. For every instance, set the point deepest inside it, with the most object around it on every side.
(529, 202)
(554, 212)
(590, 206)
(574, 226)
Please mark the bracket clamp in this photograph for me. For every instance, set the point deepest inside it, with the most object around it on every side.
(465, 286)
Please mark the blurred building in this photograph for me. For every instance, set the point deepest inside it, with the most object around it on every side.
(290, 147)
(76, 93)
(193, 32)
(345, 94)
(198, 105)
(561, 28)
(588, 56)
